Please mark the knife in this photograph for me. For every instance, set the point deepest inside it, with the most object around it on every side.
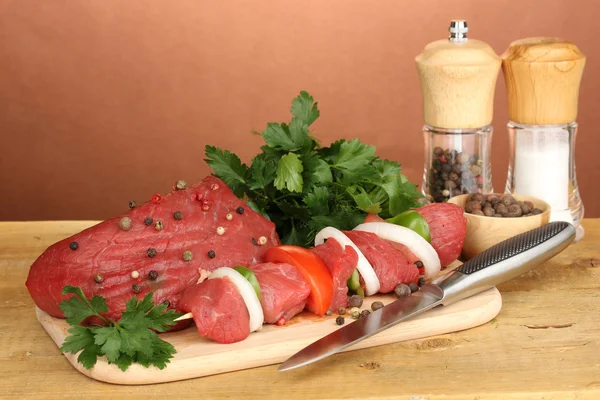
(500, 263)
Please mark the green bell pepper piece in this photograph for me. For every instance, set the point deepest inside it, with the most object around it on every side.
(250, 277)
(353, 282)
(414, 221)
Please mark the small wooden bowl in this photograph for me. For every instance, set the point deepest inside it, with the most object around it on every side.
(484, 232)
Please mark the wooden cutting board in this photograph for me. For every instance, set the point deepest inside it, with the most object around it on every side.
(197, 357)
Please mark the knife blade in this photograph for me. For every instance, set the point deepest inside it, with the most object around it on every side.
(500, 263)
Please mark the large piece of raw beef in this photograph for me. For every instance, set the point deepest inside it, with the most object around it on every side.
(206, 219)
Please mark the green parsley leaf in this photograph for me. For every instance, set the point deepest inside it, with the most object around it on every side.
(123, 343)
(131, 342)
(289, 173)
(254, 206)
(262, 173)
(89, 356)
(110, 340)
(298, 132)
(316, 171)
(317, 201)
(228, 167)
(305, 109)
(79, 338)
(363, 200)
(160, 319)
(145, 305)
(354, 154)
(78, 308)
(162, 352)
(278, 136)
(124, 362)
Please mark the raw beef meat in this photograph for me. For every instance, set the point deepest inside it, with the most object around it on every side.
(341, 264)
(283, 291)
(116, 263)
(391, 265)
(448, 228)
(219, 310)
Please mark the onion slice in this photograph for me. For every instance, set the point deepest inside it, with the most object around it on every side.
(247, 292)
(415, 242)
(364, 266)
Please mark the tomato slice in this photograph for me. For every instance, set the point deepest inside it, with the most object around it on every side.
(314, 271)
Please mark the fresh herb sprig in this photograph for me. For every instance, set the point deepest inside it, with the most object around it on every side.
(129, 340)
(303, 187)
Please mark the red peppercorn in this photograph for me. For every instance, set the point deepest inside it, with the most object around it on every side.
(281, 321)
(443, 159)
(479, 179)
(157, 198)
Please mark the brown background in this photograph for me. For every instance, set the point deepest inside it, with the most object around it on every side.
(103, 101)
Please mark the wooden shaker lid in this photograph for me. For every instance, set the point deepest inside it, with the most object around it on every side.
(542, 78)
(458, 80)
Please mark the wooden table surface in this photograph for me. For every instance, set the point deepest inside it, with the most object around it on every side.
(544, 344)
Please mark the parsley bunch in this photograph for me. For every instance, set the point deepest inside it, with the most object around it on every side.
(123, 343)
(303, 187)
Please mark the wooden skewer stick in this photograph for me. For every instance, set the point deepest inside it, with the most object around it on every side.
(184, 316)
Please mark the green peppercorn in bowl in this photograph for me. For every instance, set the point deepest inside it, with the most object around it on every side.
(494, 217)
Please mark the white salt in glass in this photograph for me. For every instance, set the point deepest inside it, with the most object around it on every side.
(541, 165)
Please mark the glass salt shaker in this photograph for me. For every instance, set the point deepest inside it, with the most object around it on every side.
(542, 77)
(458, 80)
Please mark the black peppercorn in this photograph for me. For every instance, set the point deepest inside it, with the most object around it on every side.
(178, 215)
(413, 287)
(73, 245)
(340, 320)
(148, 221)
(376, 305)
(136, 288)
(254, 242)
(211, 254)
(364, 313)
(132, 204)
(402, 290)
(240, 210)
(342, 311)
(419, 264)
(355, 301)
(421, 281)
(438, 151)
(151, 252)
(98, 278)
(153, 275)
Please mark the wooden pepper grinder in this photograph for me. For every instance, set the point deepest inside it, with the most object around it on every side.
(458, 80)
(542, 78)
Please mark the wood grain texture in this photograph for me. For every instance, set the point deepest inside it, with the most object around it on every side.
(458, 82)
(542, 77)
(503, 359)
(197, 357)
